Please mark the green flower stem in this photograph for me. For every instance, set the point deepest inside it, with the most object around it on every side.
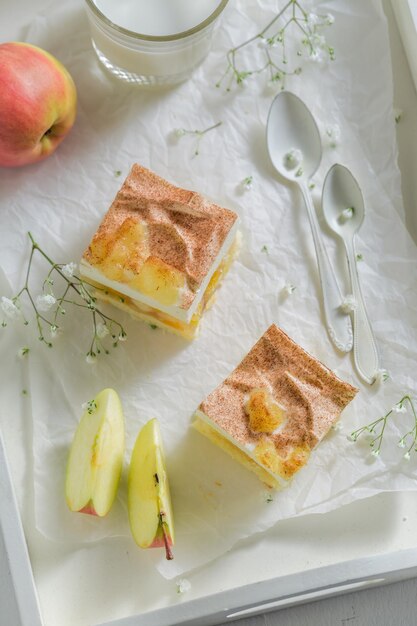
(413, 431)
(59, 308)
(231, 54)
(298, 17)
(199, 134)
(77, 285)
(372, 427)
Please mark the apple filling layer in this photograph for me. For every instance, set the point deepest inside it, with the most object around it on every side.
(161, 319)
(274, 408)
(160, 251)
(202, 423)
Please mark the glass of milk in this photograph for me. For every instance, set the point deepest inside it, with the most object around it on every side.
(152, 42)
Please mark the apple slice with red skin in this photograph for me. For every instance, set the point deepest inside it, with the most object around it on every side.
(96, 456)
(149, 500)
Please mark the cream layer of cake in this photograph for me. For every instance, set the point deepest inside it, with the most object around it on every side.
(160, 248)
(173, 310)
(274, 408)
(156, 317)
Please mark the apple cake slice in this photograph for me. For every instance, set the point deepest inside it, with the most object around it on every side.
(274, 408)
(161, 252)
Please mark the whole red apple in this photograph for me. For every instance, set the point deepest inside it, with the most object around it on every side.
(38, 103)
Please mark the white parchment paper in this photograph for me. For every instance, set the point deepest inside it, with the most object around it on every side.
(62, 200)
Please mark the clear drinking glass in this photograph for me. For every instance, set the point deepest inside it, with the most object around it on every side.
(150, 59)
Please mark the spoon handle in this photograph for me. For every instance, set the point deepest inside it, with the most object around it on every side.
(338, 324)
(365, 354)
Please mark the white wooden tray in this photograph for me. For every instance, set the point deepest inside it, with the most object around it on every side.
(406, 16)
(366, 544)
(18, 598)
(20, 605)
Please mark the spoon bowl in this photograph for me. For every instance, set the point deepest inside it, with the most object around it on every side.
(343, 205)
(294, 146)
(291, 127)
(344, 212)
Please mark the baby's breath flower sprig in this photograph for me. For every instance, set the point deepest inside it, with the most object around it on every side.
(49, 307)
(23, 352)
(288, 289)
(377, 428)
(382, 376)
(247, 183)
(273, 46)
(199, 134)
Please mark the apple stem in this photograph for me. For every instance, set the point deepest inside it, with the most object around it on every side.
(168, 551)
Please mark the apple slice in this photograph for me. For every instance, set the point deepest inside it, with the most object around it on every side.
(96, 456)
(148, 497)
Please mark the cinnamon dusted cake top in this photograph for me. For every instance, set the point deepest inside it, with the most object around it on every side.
(278, 400)
(157, 235)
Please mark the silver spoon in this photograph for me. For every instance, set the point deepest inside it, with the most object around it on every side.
(294, 147)
(344, 212)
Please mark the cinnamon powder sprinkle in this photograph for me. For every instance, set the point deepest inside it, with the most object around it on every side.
(178, 227)
(311, 394)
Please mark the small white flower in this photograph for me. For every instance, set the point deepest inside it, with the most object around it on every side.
(333, 134)
(55, 331)
(247, 183)
(318, 55)
(289, 289)
(337, 427)
(348, 304)
(102, 331)
(381, 376)
(313, 19)
(318, 41)
(91, 358)
(375, 453)
(263, 43)
(352, 437)
(183, 585)
(346, 215)
(399, 408)
(293, 159)
(268, 497)
(401, 443)
(45, 302)
(69, 269)
(329, 19)
(179, 132)
(407, 456)
(22, 352)
(9, 308)
(122, 336)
